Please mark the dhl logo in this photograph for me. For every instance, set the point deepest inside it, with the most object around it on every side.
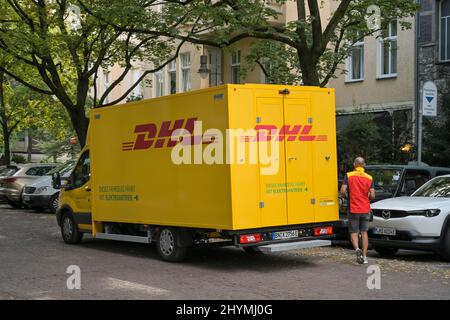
(147, 135)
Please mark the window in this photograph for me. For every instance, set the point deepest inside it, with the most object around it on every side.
(185, 71)
(215, 58)
(38, 171)
(265, 63)
(172, 75)
(81, 173)
(106, 84)
(236, 67)
(355, 61)
(444, 43)
(387, 62)
(413, 181)
(159, 84)
(135, 75)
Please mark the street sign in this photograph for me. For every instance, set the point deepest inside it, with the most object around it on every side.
(429, 99)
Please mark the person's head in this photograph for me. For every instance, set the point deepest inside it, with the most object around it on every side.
(359, 162)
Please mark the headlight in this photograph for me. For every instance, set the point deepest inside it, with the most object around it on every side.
(429, 213)
(42, 189)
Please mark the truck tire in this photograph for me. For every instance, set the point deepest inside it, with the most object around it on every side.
(168, 245)
(446, 245)
(252, 250)
(386, 251)
(53, 203)
(69, 230)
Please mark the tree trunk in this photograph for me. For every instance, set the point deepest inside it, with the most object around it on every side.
(4, 121)
(80, 123)
(308, 65)
(29, 144)
(6, 147)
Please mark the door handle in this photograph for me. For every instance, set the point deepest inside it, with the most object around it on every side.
(292, 158)
(87, 189)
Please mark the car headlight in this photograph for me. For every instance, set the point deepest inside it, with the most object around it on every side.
(429, 213)
(42, 189)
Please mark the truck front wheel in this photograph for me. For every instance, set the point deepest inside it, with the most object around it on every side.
(168, 245)
(69, 230)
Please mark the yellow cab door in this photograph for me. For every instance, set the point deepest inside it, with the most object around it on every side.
(299, 160)
(78, 191)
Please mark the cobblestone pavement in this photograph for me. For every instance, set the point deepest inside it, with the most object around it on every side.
(34, 260)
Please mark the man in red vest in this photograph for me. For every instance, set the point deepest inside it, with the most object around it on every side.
(359, 189)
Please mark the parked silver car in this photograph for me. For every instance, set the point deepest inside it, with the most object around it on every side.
(11, 187)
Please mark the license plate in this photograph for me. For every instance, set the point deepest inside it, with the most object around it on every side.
(384, 231)
(26, 198)
(284, 235)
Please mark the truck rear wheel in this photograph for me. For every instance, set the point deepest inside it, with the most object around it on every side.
(69, 230)
(168, 245)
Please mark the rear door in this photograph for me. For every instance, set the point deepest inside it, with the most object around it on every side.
(272, 186)
(299, 160)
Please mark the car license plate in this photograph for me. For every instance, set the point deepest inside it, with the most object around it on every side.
(384, 231)
(26, 198)
(284, 235)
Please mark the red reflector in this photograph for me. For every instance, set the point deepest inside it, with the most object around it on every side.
(250, 238)
(323, 231)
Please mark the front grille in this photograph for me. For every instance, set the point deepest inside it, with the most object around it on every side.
(388, 214)
(30, 190)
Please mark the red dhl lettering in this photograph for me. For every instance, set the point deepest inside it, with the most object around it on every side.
(147, 135)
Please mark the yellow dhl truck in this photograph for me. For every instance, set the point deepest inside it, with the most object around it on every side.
(252, 166)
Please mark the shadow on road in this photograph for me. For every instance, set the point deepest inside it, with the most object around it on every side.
(222, 258)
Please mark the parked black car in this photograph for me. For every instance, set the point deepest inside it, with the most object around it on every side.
(391, 181)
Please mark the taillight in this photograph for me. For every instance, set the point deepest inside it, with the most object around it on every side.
(250, 238)
(9, 180)
(322, 231)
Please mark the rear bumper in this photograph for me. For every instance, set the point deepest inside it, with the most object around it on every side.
(36, 201)
(10, 194)
(306, 233)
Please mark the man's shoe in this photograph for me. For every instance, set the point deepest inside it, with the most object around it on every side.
(365, 260)
(359, 256)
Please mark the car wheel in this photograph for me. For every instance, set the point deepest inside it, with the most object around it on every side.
(252, 250)
(167, 245)
(15, 205)
(446, 245)
(386, 251)
(69, 230)
(54, 203)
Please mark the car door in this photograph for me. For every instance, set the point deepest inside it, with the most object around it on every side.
(79, 189)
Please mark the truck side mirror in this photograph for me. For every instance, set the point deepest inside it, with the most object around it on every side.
(56, 180)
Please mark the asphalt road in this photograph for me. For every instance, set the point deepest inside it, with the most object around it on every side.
(34, 261)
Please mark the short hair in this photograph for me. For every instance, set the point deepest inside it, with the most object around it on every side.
(359, 161)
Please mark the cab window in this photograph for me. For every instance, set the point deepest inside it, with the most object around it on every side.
(414, 180)
(81, 172)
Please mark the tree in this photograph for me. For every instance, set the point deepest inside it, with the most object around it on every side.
(67, 43)
(319, 46)
(436, 136)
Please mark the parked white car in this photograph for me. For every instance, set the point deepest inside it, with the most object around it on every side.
(420, 221)
(41, 195)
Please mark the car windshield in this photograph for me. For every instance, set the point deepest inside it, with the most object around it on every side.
(439, 187)
(8, 171)
(62, 169)
(385, 178)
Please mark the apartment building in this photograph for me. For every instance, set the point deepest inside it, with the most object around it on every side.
(380, 76)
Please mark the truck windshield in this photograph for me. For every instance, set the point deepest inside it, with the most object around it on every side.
(386, 179)
(439, 187)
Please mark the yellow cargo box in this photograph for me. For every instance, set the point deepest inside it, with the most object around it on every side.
(134, 179)
(230, 160)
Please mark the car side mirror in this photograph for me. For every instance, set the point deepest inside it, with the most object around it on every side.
(56, 180)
